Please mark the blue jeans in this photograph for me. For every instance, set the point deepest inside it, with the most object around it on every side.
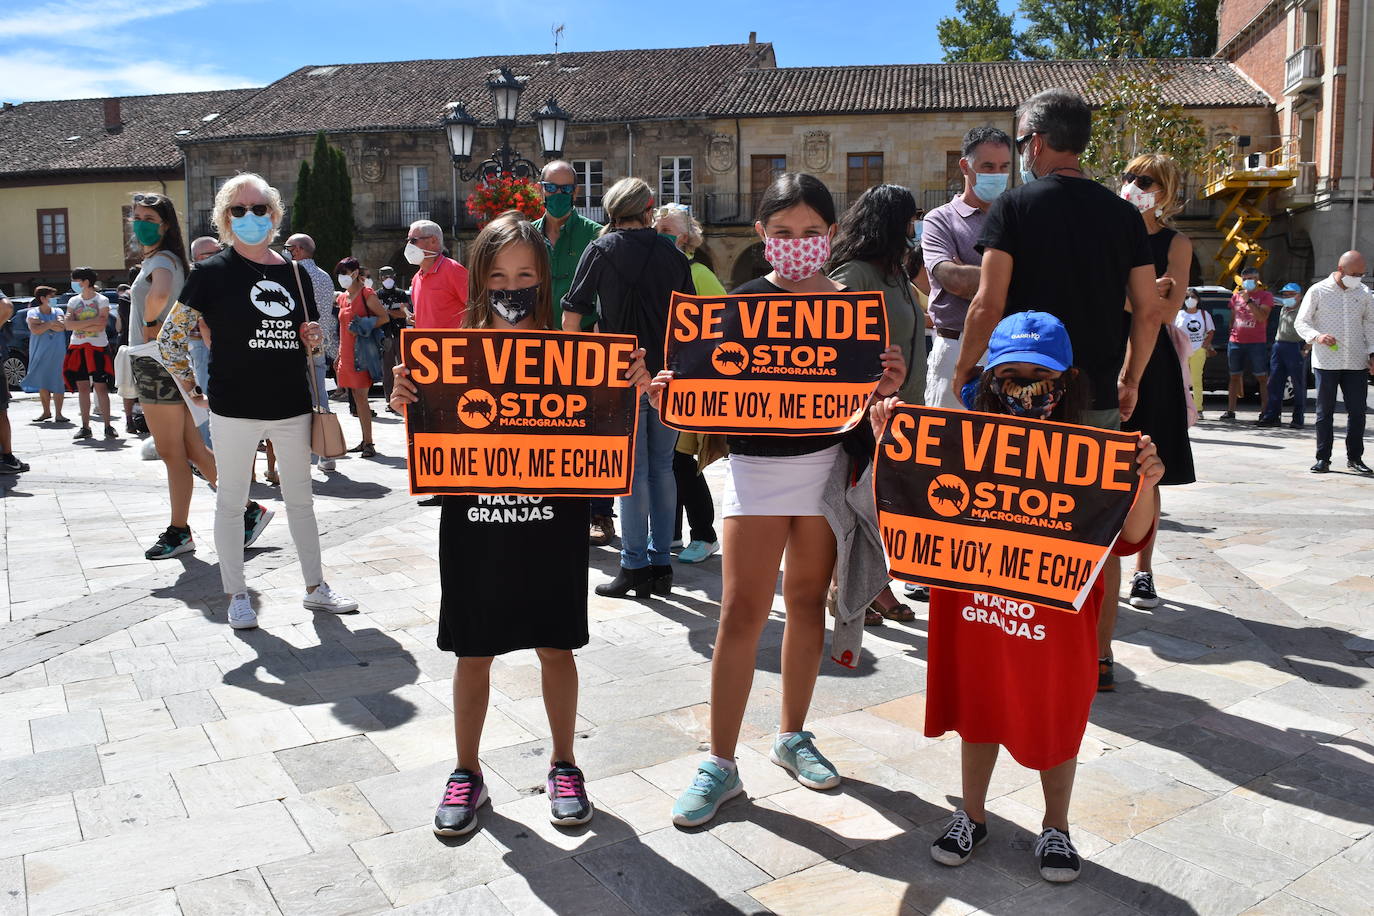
(647, 514)
(1285, 362)
(1354, 388)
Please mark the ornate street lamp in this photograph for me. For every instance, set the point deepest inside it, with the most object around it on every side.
(461, 127)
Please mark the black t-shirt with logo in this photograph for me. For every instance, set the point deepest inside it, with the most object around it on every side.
(394, 298)
(254, 311)
(1073, 243)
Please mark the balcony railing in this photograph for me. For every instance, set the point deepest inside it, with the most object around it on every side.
(398, 214)
(1303, 70)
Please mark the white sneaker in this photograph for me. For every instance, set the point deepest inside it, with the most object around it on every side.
(325, 598)
(241, 613)
(326, 464)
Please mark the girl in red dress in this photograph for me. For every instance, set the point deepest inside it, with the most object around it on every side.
(1008, 673)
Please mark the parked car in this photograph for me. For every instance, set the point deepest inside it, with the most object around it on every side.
(16, 355)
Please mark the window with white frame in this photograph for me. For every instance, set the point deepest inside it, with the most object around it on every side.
(590, 174)
(414, 193)
(675, 180)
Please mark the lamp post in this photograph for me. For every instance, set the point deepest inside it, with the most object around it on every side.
(505, 88)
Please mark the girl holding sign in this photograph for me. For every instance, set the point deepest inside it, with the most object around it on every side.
(488, 542)
(1006, 672)
(772, 508)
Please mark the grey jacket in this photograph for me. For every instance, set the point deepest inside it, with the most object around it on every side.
(860, 566)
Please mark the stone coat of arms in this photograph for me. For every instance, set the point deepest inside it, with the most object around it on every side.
(720, 152)
(816, 150)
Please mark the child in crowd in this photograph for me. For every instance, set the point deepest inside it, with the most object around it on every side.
(483, 551)
(1031, 695)
(88, 363)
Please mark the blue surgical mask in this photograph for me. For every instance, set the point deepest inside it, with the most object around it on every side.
(1288, 302)
(988, 186)
(251, 228)
(914, 240)
(76, 286)
(1248, 284)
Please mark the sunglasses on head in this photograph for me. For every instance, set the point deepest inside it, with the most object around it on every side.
(551, 188)
(240, 210)
(148, 200)
(1144, 182)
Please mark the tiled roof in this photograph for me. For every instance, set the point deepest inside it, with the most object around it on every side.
(1196, 83)
(34, 136)
(598, 86)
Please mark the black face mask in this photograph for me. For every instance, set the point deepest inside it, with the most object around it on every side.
(514, 305)
(1034, 399)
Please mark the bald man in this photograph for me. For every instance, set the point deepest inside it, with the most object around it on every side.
(1337, 318)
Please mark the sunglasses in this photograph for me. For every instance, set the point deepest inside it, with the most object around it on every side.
(148, 200)
(1144, 182)
(551, 188)
(240, 210)
(1022, 140)
(417, 239)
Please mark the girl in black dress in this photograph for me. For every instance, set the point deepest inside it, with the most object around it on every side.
(1151, 182)
(486, 543)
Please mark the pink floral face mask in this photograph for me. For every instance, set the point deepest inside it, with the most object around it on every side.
(797, 259)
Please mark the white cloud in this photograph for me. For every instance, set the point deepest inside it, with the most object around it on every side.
(44, 75)
(63, 20)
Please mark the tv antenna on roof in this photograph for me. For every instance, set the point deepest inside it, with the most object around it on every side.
(557, 40)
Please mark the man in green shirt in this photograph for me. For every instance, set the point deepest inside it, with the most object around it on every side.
(568, 232)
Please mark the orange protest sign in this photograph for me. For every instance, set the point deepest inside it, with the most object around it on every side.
(532, 413)
(981, 502)
(772, 363)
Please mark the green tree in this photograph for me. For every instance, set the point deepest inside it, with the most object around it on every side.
(1133, 116)
(978, 31)
(323, 206)
(1081, 29)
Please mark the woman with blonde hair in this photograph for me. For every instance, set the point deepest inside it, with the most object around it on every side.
(627, 277)
(260, 310)
(1152, 182)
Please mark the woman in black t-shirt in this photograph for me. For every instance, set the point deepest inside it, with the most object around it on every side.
(772, 507)
(260, 311)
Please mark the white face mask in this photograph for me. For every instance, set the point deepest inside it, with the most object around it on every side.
(368, 283)
(388, 283)
(1141, 200)
(345, 281)
(1350, 282)
(1190, 303)
(415, 254)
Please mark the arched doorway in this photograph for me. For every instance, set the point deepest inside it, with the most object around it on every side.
(748, 265)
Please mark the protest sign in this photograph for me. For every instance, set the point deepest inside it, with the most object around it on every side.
(982, 502)
(772, 363)
(533, 413)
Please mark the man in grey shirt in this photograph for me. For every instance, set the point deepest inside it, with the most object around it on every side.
(301, 249)
(948, 245)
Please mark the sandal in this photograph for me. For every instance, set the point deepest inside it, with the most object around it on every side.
(901, 613)
(872, 618)
(43, 418)
(272, 478)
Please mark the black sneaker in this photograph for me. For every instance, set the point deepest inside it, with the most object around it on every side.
(1106, 677)
(83, 433)
(961, 837)
(170, 543)
(110, 432)
(567, 791)
(916, 592)
(255, 519)
(12, 465)
(1143, 590)
(1229, 415)
(1267, 421)
(1059, 861)
(463, 795)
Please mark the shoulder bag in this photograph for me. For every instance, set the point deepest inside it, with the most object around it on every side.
(326, 435)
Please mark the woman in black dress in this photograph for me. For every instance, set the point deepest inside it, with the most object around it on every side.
(1151, 182)
(488, 542)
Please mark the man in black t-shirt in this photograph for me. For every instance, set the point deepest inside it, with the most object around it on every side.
(397, 303)
(1064, 244)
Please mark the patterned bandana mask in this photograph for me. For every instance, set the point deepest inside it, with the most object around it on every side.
(1034, 399)
(514, 305)
(797, 259)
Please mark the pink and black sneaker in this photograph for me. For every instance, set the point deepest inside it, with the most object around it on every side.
(567, 791)
(463, 795)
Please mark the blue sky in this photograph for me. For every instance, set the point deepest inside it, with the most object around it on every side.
(62, 49)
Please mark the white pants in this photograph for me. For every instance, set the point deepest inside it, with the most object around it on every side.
(236, 444)
(940, 374)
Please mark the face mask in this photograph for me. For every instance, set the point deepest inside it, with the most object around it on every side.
(1034, 399)
(1027, 169)
(368, 283)
(914, 240)
(558, 205)
(286, 253)
(415, 254)
(76, 286)
(797, 259)
(345, 281)
(1248, 284)
(1289, 302)
(1141, 200)
(388, 283)
(514, 305)
(988, 186)
(670, 237)
(251, 228)
(1190, 303)
(147, 232)
(1350, 282)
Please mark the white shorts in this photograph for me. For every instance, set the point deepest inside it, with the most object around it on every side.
(789, 485)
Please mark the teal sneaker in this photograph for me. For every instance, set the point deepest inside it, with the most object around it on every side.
(711, 789)
(798, 755)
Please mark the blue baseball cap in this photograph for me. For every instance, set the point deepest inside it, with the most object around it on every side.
(1030, 337)
(1291, 288)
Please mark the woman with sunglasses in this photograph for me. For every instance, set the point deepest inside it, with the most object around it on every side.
(261, 316)
(1151, 182)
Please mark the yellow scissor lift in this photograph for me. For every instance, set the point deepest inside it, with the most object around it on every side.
(1246, 181)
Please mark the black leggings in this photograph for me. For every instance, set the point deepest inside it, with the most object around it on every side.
(695, 496)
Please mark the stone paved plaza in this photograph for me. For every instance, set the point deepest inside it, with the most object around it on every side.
(156, 762)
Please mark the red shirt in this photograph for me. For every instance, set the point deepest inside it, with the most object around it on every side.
(1246, 325)
(1008, 672)
(440, 295)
